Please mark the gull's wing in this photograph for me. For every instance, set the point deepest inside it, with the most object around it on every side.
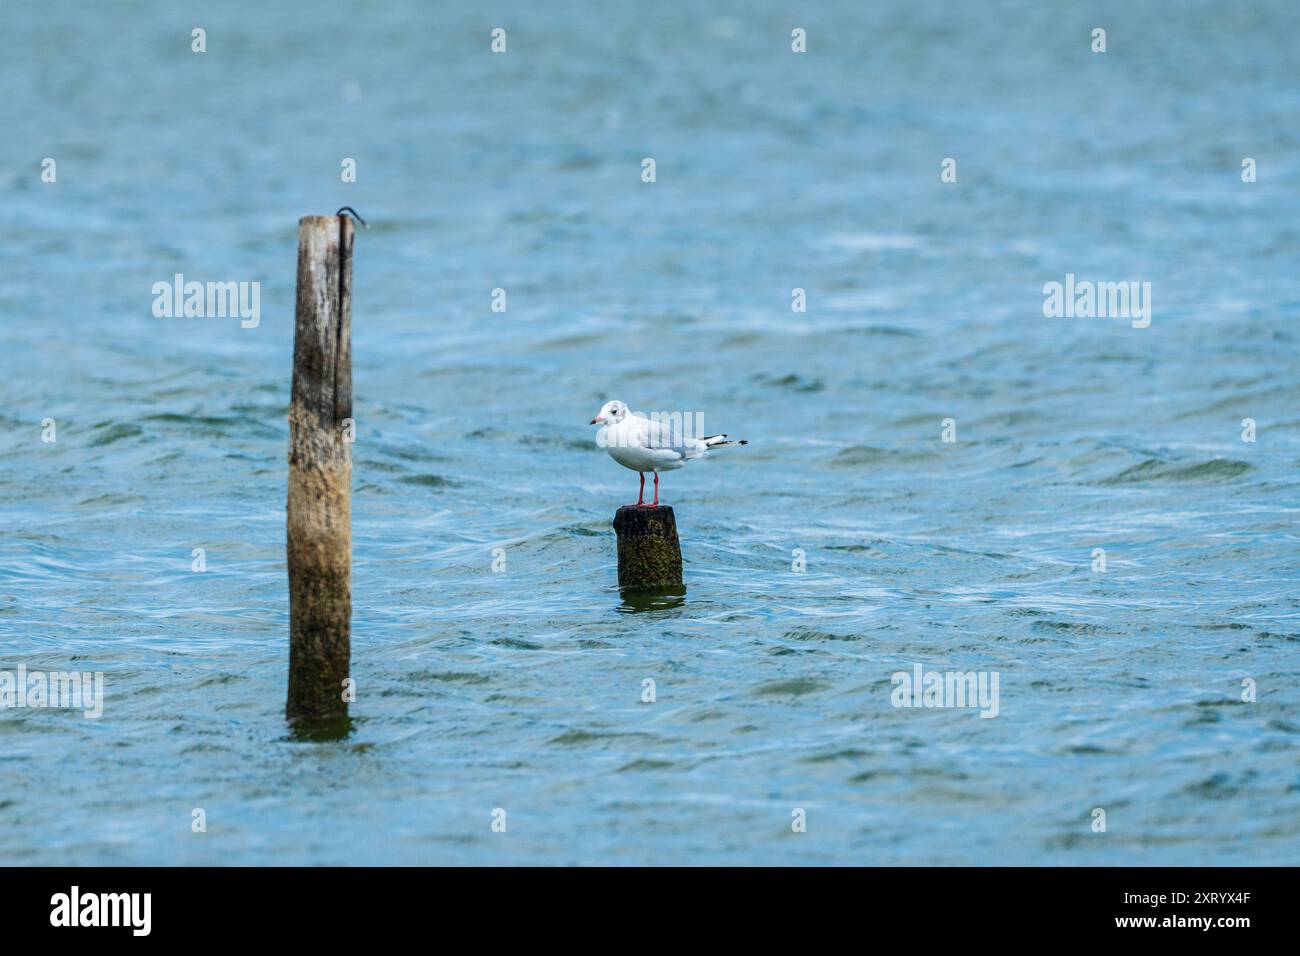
(662, 437)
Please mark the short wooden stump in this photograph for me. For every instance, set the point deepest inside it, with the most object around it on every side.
(649, 554)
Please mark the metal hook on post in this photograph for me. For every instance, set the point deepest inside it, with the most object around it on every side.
(353, 213)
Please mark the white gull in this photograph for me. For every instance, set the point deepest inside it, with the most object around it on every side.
(645, 444)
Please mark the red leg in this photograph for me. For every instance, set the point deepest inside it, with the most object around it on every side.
(640, 498)
(656, 504)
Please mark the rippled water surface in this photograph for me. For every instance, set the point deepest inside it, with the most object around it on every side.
(522, 689)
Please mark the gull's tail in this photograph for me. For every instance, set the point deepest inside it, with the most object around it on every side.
(717, 441)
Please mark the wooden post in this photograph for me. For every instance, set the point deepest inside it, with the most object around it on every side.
(319, 546)
(649, 554)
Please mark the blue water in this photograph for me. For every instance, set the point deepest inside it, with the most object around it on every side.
(521, 689)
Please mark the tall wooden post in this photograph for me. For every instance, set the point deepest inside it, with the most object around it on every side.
(319, 546)
(649, 554)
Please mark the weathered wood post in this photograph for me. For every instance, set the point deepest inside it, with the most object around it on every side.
(319, 525)
(649, 554)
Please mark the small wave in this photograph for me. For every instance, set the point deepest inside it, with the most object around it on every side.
(796, 383)
(555, 441)
(212, 422)
(813, 634)
(791, 688)
(115, 432)
(850, 753)
(111, 498)
(515, 644)
(1219, 786)
(451, 677)
(430, 481)
(572, 738)
(1068, 627)
(1155, 470)
(896, 331)
(645, 764)
(860, 456)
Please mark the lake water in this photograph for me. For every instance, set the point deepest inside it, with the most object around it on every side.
(1120, 690)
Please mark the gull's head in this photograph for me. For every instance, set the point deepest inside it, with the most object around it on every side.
(611, 413)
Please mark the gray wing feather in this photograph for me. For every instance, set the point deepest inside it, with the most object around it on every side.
(667, 434)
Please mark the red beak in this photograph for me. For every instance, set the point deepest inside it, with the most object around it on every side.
(597, 420)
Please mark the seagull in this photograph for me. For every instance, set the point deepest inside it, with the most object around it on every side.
(643, 444)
